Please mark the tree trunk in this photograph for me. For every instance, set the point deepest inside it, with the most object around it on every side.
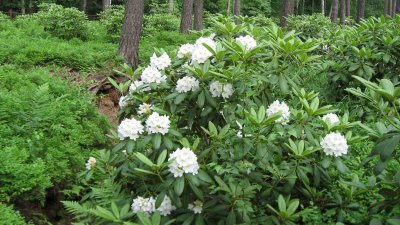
(106, 4)
(348, 8)
(23, 11)
(386, 9)
(228, 9)
(397, 6)
(288, 10)
(186, 17)
(323, 7)
(394, 8)
(360, 10)
(83, 5)
(342, 12)
(236, 10)
(198, 14)
(30, 6)
(129, 44)
(171, 6)
(334, 8)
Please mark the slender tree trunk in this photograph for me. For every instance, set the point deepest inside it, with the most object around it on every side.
(394, 8)
(387, 12)
(30, 6)
(131, 29)
(171, 6)
(334, 14)
(186, 17)
(342, 12)
(198, 14)
(228, 9)
(83, 5)
(106, 4)
(236, 10)
(23, 10)
(348, 8)
(288, 10)
(397, 6)
(323, 7)
(360, 10)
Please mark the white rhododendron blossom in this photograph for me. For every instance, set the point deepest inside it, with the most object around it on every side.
(227, 90)
(185, 51)
(123, 101)
(161, 62)
(184, 161)
(187, 84)
(152, 75)
(218, 89)
(196, 207)
(247, 41)
(332, 118)
(145, 108)
(91, 163)
(278, 107)
(166, 206)
(334, 144)
(200, 53)
(130, 128)
(135, 85)
(144, 205)
(157, 124)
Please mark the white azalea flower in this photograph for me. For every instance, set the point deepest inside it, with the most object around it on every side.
(157, 124)
(278, 107)
(334, 144)
(130, 128)
(184, 161)
(247, 41)
(187, 84)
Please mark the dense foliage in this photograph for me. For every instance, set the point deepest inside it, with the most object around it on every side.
(223, 132)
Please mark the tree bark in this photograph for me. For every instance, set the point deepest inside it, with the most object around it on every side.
(131, 29)
(360, 10)
(171, 6)
(323, 7)
(186, 16)
(288, 10)
(198, 14)
(106, 4)
(23, 9)
(30, 6)
(83, 5)
(397, 6)
(334, 8)
(394, 5)
(342, 12)
(236, 10)
(348, 8)
(228, 9)
(386, 9)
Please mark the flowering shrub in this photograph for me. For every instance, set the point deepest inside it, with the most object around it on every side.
(227, 137)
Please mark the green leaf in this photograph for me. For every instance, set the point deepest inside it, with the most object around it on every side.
(115, 210)
(222, 184)
(144, 219)
(204, 176)
(144, 171)
(161, 158)
(340, 165)
(179, 185)
(156, 218)
(293, 206)
(144, 159)
(387, 146)
(231, 218)
(156, 141)
(160, 199)
(200, 100)
(199, 220)
(281, 204)
(180, 98)
(104, 213)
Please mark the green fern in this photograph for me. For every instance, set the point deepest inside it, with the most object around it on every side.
(76, 209)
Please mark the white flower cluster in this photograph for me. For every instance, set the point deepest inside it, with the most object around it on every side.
(334, 144)
(187, 84)
(161, 62)
(200, 53)
(166, 206)
(144, 205)
(196, 207)
(278, 107)
(217, 89)
(184, 161)
(157, 124)
(185, 51)
(332, 118)
(137, 84)
(152, 75)
(130, 128)
(145, 108)
(91, 163)
(247, 41)
(123, 101)
(148, 205)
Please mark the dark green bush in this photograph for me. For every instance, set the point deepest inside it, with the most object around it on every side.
(9, 216)
(310, 25)
(47, 131)
(160, 22)
(112, 20)
(66, 23)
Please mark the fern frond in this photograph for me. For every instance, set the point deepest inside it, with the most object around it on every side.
(75, 208)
